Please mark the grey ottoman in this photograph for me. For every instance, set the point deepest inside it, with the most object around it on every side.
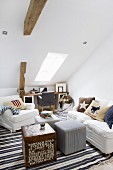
(71, 136)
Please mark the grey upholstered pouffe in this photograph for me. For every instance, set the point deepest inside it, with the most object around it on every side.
(71, 136)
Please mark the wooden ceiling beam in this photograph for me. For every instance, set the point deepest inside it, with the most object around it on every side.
(33, 13)
(22, 79)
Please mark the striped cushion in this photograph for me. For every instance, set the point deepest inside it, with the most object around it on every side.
(13, 110)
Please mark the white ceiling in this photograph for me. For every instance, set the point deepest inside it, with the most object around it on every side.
(63, 26)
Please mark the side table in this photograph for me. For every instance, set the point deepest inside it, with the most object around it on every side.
(39, 146)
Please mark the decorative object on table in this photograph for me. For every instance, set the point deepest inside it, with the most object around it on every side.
(42, 125)
(33, 91)
(61, 87)
(46, 114)
(42, 89)
(65, 99)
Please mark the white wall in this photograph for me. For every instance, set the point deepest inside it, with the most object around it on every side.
(8, 91)
(95, 76)
(13, 91)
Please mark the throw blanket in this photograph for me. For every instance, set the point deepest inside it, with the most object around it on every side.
(13, 110)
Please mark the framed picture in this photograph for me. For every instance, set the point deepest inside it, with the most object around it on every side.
(60, 88)
(41, 89)
(28, 99)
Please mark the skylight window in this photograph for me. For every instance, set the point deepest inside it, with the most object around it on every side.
(50, 66)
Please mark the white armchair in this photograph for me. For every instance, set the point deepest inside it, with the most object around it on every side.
(14, 122)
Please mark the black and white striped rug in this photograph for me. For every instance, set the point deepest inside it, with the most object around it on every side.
(11, 156)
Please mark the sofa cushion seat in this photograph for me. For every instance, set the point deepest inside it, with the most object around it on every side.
(99, 127)
(81, 117)
(23, 115)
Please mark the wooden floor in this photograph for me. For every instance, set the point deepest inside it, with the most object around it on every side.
(104, 167)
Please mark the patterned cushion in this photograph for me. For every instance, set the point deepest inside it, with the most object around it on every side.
(84, 103)
(13, 110)
(17, 104)
(96, 110)
(109, 117)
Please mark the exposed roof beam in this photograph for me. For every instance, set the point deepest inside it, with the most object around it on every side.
(33, 13)
(22, 72)
(22, 79)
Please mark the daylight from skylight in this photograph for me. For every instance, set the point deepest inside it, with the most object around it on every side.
(50, 66)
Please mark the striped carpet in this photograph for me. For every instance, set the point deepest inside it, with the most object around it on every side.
(11, 156)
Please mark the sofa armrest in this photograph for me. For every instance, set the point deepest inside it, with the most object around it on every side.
(30, 106)
(75, 108)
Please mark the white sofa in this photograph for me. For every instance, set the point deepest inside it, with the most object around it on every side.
(14, 122)
(97, 133)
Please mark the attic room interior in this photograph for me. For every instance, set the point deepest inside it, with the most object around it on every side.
(56, 100)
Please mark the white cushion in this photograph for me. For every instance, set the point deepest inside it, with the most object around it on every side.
(8, 98)
(30, 106)
(99, 127)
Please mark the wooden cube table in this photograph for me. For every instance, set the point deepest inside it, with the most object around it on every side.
(39, 146)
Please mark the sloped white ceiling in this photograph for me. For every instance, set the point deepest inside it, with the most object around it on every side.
(62, 27)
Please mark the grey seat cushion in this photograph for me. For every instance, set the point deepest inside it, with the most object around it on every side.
(69, 124)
